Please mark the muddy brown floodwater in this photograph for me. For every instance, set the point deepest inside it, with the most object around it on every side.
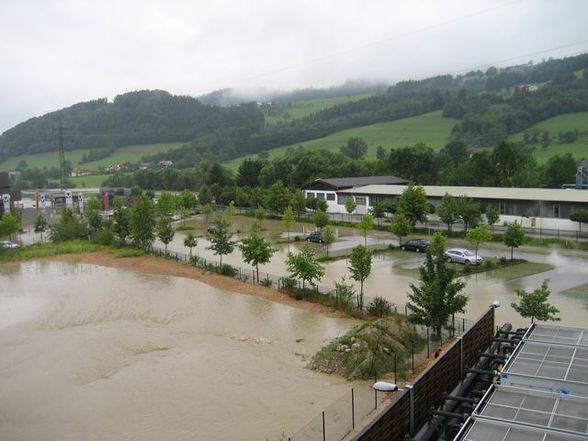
(97, 353)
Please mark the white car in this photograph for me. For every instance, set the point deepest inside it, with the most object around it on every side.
(463, 255)
(9, 245)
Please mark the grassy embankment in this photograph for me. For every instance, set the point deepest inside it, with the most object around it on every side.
(51, 249)
(430, 128)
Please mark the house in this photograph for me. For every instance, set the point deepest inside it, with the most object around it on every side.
(165, 164)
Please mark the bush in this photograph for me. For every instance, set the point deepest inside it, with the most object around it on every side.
(344, 293)
(503, 260)
(467, 269)
(380, 307)
(227, 270)
(267, 282)
(296, 238)
(489, 264)
(103, 237)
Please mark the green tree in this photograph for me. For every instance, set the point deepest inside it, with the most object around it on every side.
(92, 214)
(298, 203)
(120, 215)
(256, 251)
(204, 195)
(142, 223)
(288, 221)
(328, 237)
(534, 304)
(559, 170)
(468, 211)
(437, 296)
(207, 210)
(69, 227)
(278, 198)
(186, 199)
(379, 211)
(366, 225)
(360, 266)
(259, 214)
(166, 204)
(320, 219)
(304, 265)
(165, 231)
(231, 213)
(355, 148)
(492, 216)
(478, 236)
(580, 216)
(9, 225)
(190, 242)
(40, 225)
(413, 203)
(350, 206)
(400, 226)
(220, 240)
(380, 153)
(447, 211)
(514, 236)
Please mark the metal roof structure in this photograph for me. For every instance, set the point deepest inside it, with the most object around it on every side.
(358, 181)
(543, 391)
(500, 193)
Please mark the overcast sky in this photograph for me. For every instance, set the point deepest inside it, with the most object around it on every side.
(54, 53)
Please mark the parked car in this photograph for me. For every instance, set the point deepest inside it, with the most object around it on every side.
(463, 255)
(212, 229)
(417, 245)
(9, 245)
(315, 236)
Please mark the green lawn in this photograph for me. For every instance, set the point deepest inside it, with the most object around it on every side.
(561, 123)
(132, 153)
(300, 109)
(430, 128)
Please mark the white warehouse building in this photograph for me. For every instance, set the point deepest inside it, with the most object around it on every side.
(537, 208)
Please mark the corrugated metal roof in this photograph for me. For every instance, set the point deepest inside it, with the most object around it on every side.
(359, 181)
(525, 194)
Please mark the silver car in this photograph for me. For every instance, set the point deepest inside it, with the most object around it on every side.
(463, 255)
(6, 244)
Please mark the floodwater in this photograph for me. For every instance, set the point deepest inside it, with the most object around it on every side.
(98, 353)
(482, 289)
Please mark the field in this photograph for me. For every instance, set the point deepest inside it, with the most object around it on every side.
(561, 123)
(300, 109)
(430, 128)
(132, 153)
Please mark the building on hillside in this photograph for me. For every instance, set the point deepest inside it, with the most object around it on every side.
(165, 164)
(329, 188)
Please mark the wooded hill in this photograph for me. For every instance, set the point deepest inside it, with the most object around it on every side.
(491, 105)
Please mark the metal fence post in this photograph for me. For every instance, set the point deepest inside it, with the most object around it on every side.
(412, 354)
(324, 433)
(352, 409)
(411, 412)
(428, 344)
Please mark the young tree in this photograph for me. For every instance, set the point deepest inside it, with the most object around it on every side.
(231, 213)
(288, 221)
(165, 231)
(534, 304)
(220, 240)
(360, 266)
(166, 204)
(142, 223)
(514, 236)
(468, 211)
(380, 153)
(92, 214)
(478, 236)
(121, 220)
(277, 198)
(304, 265)
(259, 214)
(40, 226)
(350, 206)
(320, 219)
(207, 210)
(492, 216)
(256, 251)
(190, 242)
(378, 211)
(437, 297)
(580, 216)
(186, 199)
(9, 225)
(447, 211)
(328, 237)
(298, 203)
(204, 195)
(400, 227)
(69, 227)
(366, 225)
(413, 203)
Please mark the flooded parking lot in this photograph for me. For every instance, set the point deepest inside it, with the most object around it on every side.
(96, 353)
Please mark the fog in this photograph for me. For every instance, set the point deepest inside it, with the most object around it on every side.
(56, 53)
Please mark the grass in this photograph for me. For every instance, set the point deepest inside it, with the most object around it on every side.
(132, 153)
(128, 252)
(430, 128)
(578, 292)
(560, 123)
(300, 109)
(521, 269)
(50, 249)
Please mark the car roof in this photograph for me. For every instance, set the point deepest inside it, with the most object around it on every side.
(458, 249)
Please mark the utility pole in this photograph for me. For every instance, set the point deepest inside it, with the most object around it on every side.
(61, 156)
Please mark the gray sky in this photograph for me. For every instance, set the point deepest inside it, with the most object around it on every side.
(58, 52)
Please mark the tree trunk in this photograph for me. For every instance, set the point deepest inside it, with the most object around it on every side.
(511, 252)
(257, 271)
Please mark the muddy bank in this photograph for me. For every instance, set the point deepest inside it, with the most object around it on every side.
(157, 265)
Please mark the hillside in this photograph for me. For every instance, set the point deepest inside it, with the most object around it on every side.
(431, 129)
(130, 154)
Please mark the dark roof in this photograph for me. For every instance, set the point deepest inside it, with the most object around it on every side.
(358, 181)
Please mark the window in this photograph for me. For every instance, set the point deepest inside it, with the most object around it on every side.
(360, 200)
(502, 207)
(555, 210)
(330, 196)
(342, 198)
(309, 195)
(320, 195)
